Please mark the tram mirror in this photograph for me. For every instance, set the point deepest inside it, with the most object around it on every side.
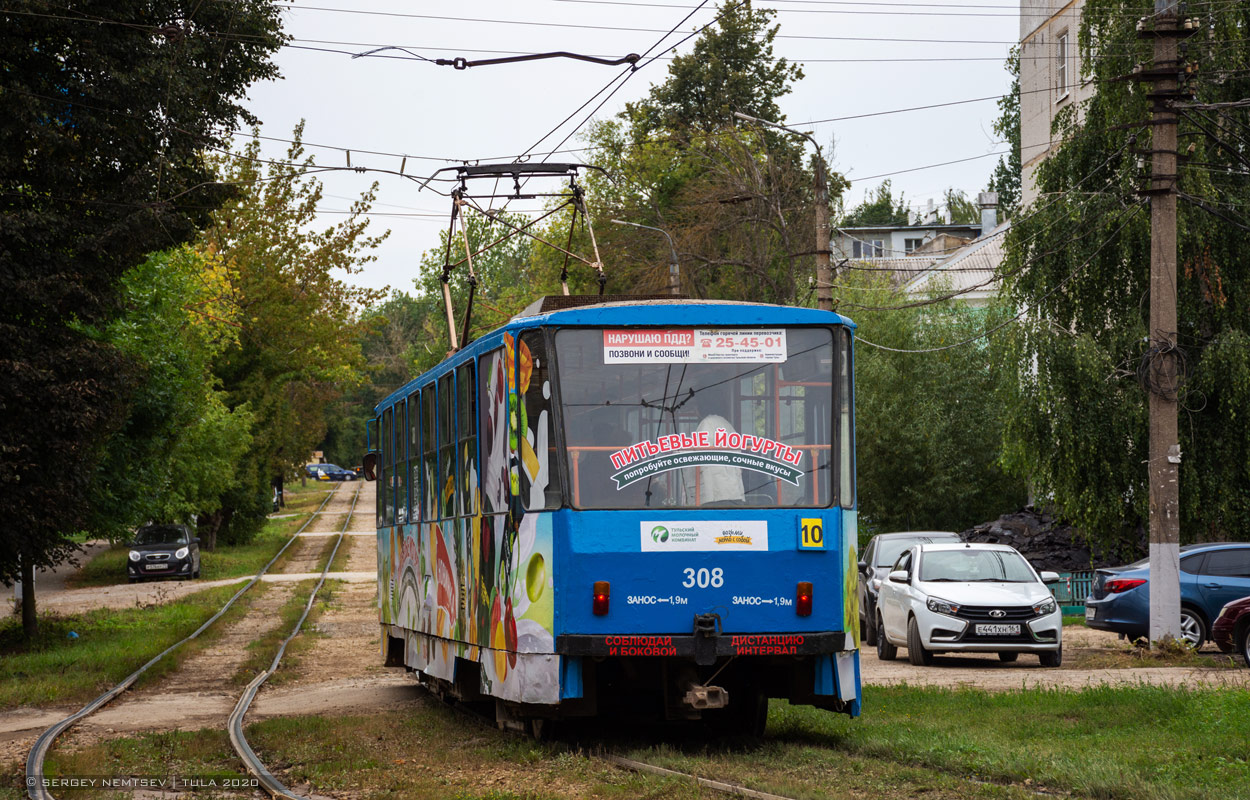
(369, 464)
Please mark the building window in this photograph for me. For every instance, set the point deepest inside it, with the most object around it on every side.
(868, 248)
(912, 245)
(1061, 66)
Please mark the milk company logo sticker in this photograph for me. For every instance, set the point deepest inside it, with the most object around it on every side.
(659, 534)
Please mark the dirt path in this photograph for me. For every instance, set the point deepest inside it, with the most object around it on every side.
(985, 671)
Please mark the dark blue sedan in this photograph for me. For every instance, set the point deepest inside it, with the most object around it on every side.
(1212, 574)
(329, 472)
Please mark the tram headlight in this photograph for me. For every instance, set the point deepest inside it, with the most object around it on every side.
(134, 555)
(182, 552)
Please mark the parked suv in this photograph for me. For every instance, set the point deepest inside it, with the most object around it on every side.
(968, 597)
(1212, 574)
(163, 551)
(880, 554)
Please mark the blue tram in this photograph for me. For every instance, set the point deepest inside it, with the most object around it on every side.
(645, 505)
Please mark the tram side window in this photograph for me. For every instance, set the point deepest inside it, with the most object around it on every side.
(466, 425)
(401, 465)
(446, 486)
(429, 443)
(379, 503)
(540, 478)
(387, 478)
(493, 430)
(846, 430)
(413, 470)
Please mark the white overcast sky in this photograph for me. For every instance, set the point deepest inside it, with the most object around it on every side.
(439, 116)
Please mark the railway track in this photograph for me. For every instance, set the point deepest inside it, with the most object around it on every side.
(35, 784)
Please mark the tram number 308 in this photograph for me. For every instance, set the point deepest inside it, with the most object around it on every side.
(703, 577)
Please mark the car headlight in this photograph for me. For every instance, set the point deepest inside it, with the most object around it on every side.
(182, 552)
(939, 606)
(1047, 606)
(135, 555)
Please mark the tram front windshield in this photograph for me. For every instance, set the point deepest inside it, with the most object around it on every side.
(694, 418)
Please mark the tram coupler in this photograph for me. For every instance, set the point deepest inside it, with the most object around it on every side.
(701, 697)
(706, 628)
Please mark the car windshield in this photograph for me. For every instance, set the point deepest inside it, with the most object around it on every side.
(889, 550)
(969, 565)
(161, 534)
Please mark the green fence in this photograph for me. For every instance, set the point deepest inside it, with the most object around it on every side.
(1071, 591)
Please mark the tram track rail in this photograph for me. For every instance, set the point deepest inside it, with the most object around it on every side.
(35, 784)
(606, 755)
(238, 740)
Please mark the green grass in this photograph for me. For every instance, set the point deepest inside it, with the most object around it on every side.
(1074, 619)
(110, 644)
(1138, 743)
(109, 566)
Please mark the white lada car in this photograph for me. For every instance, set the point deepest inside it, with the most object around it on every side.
(968, 597)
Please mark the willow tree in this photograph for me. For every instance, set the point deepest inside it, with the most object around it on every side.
(1078, 263)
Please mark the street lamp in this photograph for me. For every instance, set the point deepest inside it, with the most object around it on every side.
(674, 272)
(824, 272)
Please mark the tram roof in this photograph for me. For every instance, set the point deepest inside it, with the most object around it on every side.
(628, 312)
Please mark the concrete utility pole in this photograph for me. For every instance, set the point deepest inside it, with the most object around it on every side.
(674, 271)
(824, 272)
(1162, 373)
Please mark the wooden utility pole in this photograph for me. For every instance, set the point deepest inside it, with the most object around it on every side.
(824, 274)
(1162, 372)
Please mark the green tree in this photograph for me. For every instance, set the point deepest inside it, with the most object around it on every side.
(878, 208)
(105, 113)
(179, 446)
(1079, 259)
(738, 202)
(298, 346)
(960, 210)
(730, 68)
(928, 425)
(1006, 177)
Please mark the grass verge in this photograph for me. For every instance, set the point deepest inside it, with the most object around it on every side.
(109, 566)
(108, 645)
(1138, 743)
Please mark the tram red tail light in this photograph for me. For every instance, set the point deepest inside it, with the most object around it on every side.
(803, 599)
(603, 593)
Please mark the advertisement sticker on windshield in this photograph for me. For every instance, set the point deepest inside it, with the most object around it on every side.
(719, 448)
(694, 346)
(704, 536)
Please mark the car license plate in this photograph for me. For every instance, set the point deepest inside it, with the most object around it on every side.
(998, 630)
(1090, 613)
(158, 566)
